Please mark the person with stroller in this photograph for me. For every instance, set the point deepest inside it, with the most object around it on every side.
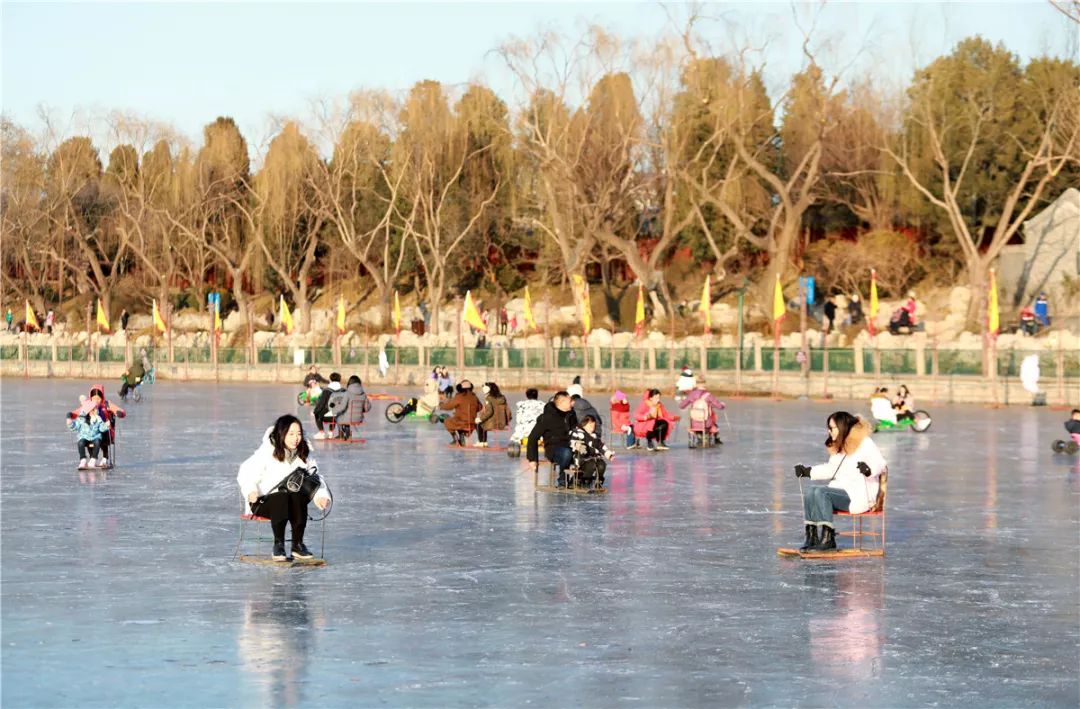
(703, 407)
(553, 427)
(322, 406)
(853, 472)
(591, 456)
(652, 421)
(107, 411)
(267, 488)
(349, 409)
(525, 415)
(620, 416)
(89, 428)
(494, 416)
(465, 406)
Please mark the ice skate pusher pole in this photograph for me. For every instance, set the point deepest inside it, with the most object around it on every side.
(724, 412)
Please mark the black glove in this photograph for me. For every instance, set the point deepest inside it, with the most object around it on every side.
(864, 469)
(802, 471)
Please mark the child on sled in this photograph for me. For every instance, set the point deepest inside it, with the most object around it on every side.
(89, 427)
(590, 453)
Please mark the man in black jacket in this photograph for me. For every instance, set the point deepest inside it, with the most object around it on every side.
(554, 426)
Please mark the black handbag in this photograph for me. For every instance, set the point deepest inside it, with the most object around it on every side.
(304, 481)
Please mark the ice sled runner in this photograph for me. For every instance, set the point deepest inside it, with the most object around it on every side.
(574, 486)
(833, 554)
(293, 561)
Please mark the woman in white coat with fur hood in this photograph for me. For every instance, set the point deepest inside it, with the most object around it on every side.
(284, 450)
(853, 472)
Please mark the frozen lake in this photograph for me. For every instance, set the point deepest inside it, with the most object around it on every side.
(451, 582)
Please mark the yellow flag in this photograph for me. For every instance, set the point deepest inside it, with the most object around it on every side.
(285, 317)
(994, 316)
(528, 310)
(581, 293)
(102, 318)
(341, 315)
(639, 311)
(586, 314)
(31, 319)
(778, 306)
(873, 294)
(397, 313)
(706, 295)
(159, 323)
(217, 316)
(471, 315)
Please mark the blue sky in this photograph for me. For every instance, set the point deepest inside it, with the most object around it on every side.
(186, 63)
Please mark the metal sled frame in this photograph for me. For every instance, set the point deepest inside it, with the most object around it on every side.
(246, 518)
(334, 427)
(874, 532)
(571, 483)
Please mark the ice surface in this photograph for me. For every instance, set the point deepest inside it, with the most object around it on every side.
(452, 583)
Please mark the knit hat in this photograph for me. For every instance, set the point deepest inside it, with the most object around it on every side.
(86, 404)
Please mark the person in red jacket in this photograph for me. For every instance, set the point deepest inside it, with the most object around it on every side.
(652, 421)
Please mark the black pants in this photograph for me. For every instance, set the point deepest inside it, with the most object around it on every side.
(286, 507)
(592, 469)
(659, 431)
(88, 449)
(481, 434)
(106, 441)
(125, 387)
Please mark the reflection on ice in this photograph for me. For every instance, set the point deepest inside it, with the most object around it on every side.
(452, 581)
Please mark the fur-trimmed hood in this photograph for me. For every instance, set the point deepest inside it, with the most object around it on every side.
(858, 433)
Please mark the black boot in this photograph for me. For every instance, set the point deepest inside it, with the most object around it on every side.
(279, 551)
(811, 538)
(828, 539)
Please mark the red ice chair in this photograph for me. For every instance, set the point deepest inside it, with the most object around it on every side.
(875, 524)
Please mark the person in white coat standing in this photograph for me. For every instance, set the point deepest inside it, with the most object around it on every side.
(853, 471)
(262, 477)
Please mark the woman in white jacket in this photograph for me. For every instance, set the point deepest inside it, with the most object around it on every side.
(854, 468)
(284, 449)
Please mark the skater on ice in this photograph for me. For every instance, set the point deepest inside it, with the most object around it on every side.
(108, 412)
(591, 456)
(703, 407)
(583, 408)
(553, 427)
(652, 421)
(493, 416)
(89, 428)
(465, 406)
(279, 480)
(852, 473)
(619, 408)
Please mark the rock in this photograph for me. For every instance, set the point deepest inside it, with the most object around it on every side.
(600, 337)
(959, 300)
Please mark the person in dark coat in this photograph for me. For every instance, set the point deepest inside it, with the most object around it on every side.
(494, 416)
(554, 426)
(465, 406)
(583, 408)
